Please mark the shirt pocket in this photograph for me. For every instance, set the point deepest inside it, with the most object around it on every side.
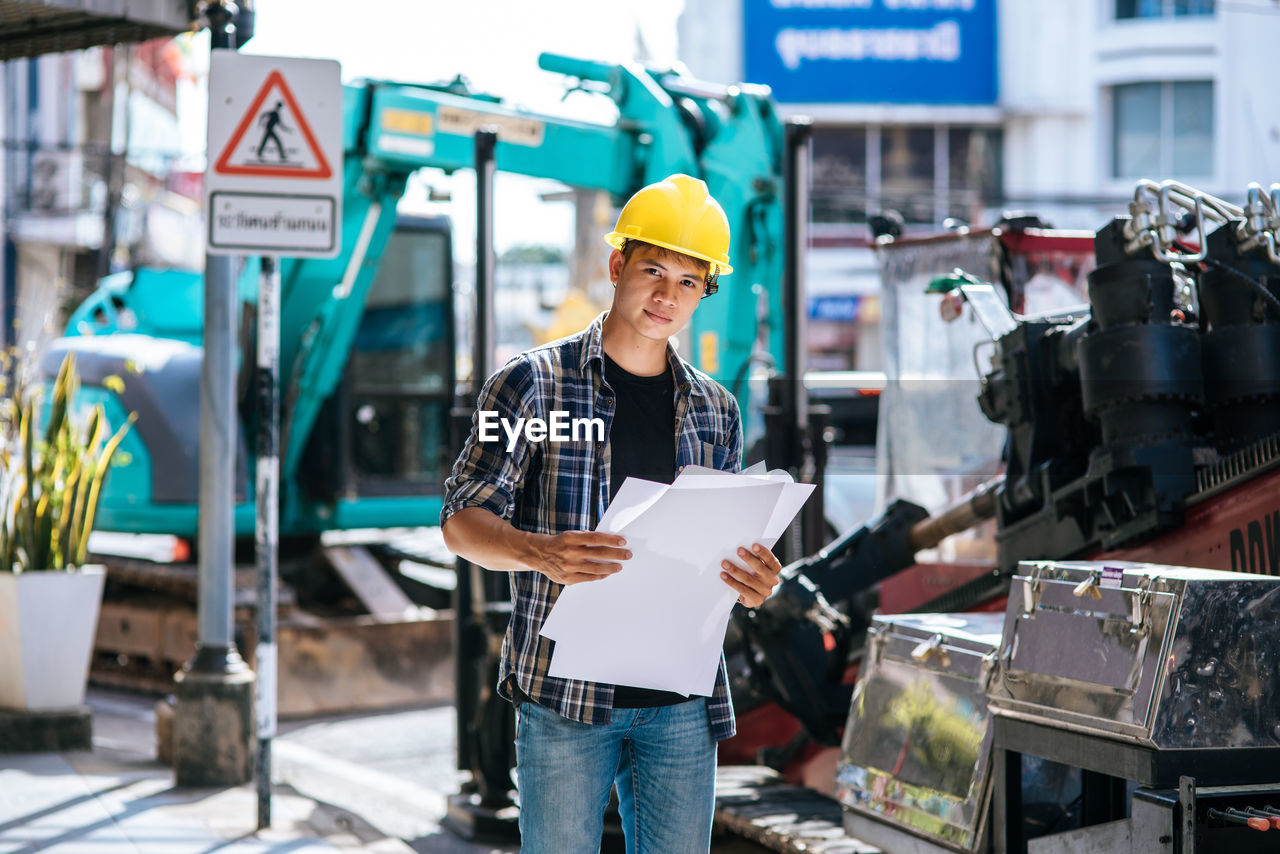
(714, 456)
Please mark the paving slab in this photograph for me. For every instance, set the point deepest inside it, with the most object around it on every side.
(72, 803)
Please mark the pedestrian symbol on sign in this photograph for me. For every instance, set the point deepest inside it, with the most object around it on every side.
(271, 119)
(267, 154)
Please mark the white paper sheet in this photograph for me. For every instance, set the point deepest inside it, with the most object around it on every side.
(660, 622)
(793, 496)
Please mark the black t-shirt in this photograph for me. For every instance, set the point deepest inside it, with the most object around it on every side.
(642, 443)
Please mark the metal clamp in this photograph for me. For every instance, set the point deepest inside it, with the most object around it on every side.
(1031, 587)
(1163, 246)
(1005, 655)
(1260, 223)
(1140, 606)
(1274, 224)
(1152, 225)
(1089, 587)
(986, 668)
(928, 650)
(876, 641)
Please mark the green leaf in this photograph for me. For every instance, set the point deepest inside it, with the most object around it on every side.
(99, 475)
(51, 479)
(61, 389)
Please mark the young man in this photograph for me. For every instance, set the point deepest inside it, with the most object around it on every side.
(530, 507)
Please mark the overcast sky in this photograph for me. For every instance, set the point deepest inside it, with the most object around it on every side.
(495, 44)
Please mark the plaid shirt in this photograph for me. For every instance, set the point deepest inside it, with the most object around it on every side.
(553, 487)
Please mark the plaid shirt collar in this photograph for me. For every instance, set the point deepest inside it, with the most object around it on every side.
(593, 351)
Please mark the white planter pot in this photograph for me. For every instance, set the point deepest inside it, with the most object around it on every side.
(48, 621)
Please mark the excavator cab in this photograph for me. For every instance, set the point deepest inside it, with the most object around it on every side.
(385, 430)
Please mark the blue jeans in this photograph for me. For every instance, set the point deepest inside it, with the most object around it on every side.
(663, 761)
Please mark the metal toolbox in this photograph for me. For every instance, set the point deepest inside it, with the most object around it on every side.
(1164, 659)
(914, 767)
(1183, 820)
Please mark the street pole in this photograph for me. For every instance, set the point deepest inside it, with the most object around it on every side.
(808, 423)
(796, 237)
(486, 167)
(494, 734)
(468, 593)
(266, 529)
(787, 415)
(8, 252)
(481, 603)
(213, 721)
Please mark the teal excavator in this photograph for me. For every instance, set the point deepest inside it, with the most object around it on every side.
(367, 338)
(370, 404)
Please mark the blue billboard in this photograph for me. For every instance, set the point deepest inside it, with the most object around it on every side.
(873, 51)
(838, 308)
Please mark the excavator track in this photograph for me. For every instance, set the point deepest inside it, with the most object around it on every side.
(395, 654)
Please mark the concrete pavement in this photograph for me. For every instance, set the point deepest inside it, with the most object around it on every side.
(374, 783)
(81, 802)
(117, 799)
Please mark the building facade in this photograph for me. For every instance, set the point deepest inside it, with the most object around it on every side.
(90, 179)
(962, 108)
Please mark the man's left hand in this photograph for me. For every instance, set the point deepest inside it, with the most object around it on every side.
(756, 581)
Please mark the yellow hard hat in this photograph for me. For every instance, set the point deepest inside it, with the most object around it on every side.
(677, 213)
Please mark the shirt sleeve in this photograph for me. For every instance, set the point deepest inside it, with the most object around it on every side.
(487, 474)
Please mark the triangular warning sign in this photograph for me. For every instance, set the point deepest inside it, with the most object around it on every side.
(266, 143)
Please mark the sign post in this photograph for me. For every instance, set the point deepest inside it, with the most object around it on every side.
(266, 527)
(214, 690)
(274, 188)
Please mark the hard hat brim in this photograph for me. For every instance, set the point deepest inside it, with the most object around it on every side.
(718, 268)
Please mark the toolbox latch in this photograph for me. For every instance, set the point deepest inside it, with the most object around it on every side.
(1089, 587)
(1141, 604)
(1031, 587)
(930, 650)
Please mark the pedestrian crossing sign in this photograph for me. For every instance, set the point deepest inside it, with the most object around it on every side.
(274, 179)
(274, 138)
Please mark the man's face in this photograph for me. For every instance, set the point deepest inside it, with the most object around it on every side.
(657, 291)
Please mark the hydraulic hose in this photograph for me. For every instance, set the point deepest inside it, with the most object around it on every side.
(1260, 288)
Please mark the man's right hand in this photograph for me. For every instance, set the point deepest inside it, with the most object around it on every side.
(577, 556)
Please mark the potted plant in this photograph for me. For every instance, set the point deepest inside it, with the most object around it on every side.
(50, 481)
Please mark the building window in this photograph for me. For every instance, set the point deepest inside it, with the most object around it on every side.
(925, 172)
(840, 174)
(975, 157)
(907, 160)
(1162, 130)
(1162, 8)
